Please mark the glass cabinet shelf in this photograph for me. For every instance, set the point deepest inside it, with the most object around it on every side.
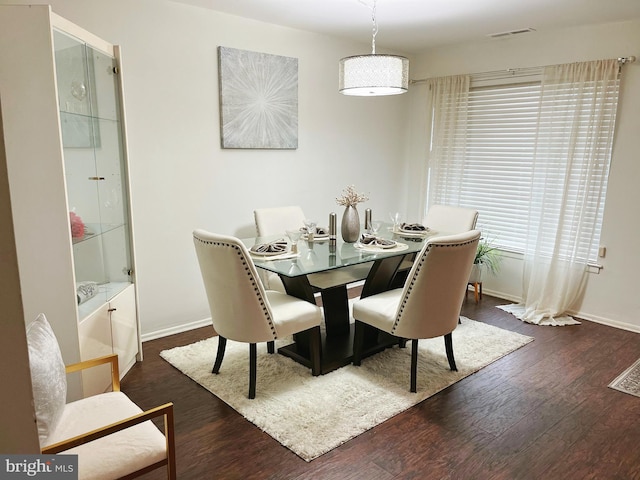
(93, 230)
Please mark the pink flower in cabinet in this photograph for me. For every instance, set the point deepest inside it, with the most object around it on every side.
(77, 225)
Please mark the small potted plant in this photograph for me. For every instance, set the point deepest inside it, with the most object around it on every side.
(487, 258)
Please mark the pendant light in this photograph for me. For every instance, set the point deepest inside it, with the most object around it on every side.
(375, 74)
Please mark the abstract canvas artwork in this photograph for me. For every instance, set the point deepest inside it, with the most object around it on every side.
(258, 100)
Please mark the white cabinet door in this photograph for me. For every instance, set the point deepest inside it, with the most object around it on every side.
(124, 328)
(95, 341)
(113, 328)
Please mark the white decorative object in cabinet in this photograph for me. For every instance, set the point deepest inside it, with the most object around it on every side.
(62, 107)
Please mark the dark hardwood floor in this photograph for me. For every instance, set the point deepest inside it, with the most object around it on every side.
(542, 412)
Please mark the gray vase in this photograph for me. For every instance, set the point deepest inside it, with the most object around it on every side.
(350, 227)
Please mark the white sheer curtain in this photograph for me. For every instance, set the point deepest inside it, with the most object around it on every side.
(447, 102)
(571, 162)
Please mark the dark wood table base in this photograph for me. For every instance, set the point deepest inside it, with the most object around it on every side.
(337, 351)
(337, 339)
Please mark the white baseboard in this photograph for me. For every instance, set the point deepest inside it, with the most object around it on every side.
(165, 332)
(207, 321)
(581, 315)
(606, 321)
(505, 296)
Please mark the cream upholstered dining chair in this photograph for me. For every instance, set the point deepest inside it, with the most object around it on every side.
(276, 221)
(429, 303)
(111, 435)
(242, 310)
(451, 219)
(446, 219)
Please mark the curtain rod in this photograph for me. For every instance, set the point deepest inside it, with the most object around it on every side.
(521, 71)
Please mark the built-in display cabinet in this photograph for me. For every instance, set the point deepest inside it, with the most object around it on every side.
(62, 102)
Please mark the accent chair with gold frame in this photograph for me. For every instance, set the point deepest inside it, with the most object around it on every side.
(111, 435)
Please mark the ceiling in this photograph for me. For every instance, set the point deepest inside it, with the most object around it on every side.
(411, 26)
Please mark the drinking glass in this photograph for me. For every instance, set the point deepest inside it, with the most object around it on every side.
(375, 226)
(395, 219)
(310, 225)
(294, 236)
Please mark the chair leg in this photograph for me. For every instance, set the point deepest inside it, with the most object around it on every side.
(253, 363)
(222, 344)
(448, 346)
(414, 365)
(358, 339)
(271, 347)
(315, 351)
(402, 342)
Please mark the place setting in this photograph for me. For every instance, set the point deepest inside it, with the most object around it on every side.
(372, 242)
(409, 230)
(276, 250)
(313, 233)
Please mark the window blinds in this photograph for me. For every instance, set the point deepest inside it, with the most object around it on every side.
(502, 135)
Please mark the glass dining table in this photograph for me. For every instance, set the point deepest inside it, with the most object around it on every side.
(320, 267)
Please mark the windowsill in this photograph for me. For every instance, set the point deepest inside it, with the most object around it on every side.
(518, 255)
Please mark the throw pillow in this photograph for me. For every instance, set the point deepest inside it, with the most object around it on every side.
(48, 377)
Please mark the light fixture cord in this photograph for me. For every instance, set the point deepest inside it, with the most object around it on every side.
(375, 28)
(375, 24)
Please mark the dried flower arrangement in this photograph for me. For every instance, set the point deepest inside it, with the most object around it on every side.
(350, 198)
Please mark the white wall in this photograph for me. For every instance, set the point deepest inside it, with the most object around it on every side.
(180, 177)
(610, 295)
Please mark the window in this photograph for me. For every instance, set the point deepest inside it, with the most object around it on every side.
(493, 164)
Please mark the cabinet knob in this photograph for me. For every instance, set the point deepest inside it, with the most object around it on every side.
(112, 310)
(96, 178)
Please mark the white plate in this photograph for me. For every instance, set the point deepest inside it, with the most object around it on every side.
(413, 233)
(383, 247)
(393, 244)
(377, 248)
(316, 236)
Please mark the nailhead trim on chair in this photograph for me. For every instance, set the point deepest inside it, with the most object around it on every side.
(256, 289)
(410, 288)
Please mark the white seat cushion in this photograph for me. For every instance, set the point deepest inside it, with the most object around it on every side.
(292, 315)
(115, 455)
(379, 310)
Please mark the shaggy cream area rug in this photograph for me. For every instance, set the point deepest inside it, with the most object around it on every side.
(313, 415)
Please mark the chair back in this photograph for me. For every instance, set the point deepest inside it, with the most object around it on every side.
(450, 219)
(434, 290)
(238, 303)
(277, 220)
